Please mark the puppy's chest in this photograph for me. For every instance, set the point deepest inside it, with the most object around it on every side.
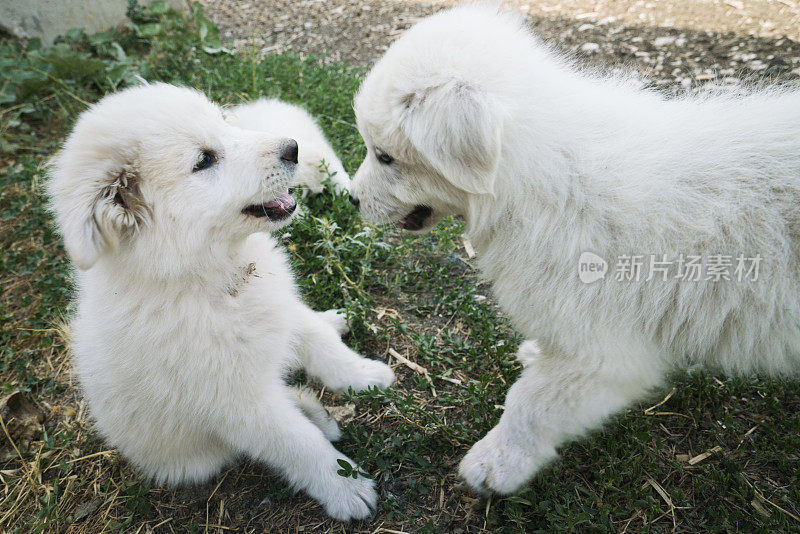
(263, 287)
(530, 288)
(241, 278)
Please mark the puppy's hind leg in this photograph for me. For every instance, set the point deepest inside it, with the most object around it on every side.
(557, 398)
(325, 357)
(307, 401)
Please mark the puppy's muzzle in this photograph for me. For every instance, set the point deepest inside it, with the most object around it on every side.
(416, 219)
(277, 209)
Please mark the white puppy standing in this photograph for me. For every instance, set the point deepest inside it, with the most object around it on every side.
(468, 113)
(187, 314)
(316, 154)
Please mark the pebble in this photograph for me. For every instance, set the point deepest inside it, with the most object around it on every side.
(609, 35)
(663, 41)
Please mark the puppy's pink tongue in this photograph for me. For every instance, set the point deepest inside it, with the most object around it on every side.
(283, 202)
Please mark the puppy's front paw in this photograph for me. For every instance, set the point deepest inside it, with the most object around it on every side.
(341, 182)
(497, 464)
(337, 319)
(367, 373)
(352, 498)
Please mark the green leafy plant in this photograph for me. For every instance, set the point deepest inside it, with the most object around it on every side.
(78, 68)
(348, 469)
(207, 31)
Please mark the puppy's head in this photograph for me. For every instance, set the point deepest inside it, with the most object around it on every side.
(156, 169)
(431, 119)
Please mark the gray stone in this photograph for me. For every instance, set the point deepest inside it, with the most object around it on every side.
(47, 19)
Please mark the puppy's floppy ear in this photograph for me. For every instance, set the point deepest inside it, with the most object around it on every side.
(95, 210)
(457, 127)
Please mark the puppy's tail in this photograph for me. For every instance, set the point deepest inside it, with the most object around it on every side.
(529, 352)
(316, 164)
(307, 401)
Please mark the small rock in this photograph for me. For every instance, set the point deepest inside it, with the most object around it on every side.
(23, 423)
(342, 414)
(590, 47)
(663, 41)
(87, 508)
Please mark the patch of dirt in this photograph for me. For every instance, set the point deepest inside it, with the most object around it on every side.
(677, 42)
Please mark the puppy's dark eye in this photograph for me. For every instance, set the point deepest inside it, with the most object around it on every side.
(383, 157)
(206, 160)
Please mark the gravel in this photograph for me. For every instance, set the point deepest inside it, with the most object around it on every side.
(671, 43)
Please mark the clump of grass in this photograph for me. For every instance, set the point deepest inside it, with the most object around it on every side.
(418, 296)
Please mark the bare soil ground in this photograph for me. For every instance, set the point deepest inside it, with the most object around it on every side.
(359, 32)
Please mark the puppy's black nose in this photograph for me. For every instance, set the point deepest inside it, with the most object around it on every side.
(289, 151)
(354, 201)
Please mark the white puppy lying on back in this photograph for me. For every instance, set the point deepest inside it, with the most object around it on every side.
(555, 171)
(187, 315)
(316, 155)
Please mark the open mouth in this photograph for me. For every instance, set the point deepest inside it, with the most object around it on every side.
(416, 219)
(277, 209)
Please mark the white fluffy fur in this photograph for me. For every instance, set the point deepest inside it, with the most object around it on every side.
(180, 352)
(279, 118)
(544, 162)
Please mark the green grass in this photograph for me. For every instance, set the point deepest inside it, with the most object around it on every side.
(418, 295)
